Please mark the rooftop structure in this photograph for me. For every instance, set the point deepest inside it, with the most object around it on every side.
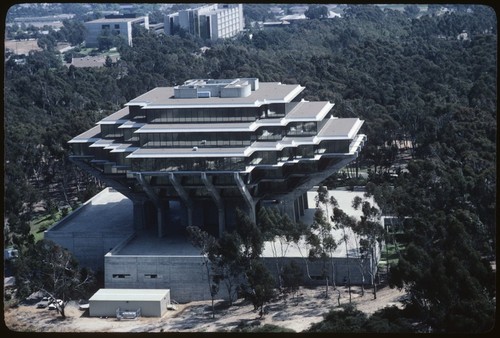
(216, 21)
(194, 153)
(119, 25)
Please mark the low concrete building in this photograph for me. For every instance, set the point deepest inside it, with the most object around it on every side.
(146, 261)
(149, 303)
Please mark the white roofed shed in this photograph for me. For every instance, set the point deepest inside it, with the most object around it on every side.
(151, 302)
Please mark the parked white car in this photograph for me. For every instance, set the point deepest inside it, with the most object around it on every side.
(52, 305)
(83, 304)
(43, 303)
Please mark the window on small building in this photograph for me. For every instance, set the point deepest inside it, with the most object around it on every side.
(151, 275)
(121, 275)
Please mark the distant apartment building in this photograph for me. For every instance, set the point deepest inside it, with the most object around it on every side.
(120, 25)
(217, 21)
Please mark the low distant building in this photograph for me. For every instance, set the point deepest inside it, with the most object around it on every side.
(91, 61)
(120, 25)
(54, 21)
(272, 24)
(208, 22)
(157, 28)
(293, 17)
(298, 9)
(276, 10)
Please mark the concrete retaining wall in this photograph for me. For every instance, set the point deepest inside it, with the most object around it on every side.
(186, 276)
(89, 248)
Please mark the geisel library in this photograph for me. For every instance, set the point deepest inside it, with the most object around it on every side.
(192, 155)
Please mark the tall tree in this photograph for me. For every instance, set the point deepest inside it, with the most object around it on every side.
(279, 232)
(47, 266)
(372, 233)
(260, 285)
(322, 245)
(292, 276)
(207, 245)
(316, 12)
(342, 221)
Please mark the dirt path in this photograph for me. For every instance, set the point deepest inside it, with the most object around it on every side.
(294, 313)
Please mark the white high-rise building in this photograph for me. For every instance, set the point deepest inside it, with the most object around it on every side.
(217, 21)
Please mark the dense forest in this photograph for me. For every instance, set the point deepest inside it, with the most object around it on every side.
(417, 81)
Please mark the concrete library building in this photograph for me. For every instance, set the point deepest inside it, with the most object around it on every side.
(191, 155)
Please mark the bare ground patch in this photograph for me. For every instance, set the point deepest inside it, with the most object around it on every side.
(296, 313)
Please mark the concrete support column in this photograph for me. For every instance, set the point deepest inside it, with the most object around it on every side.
(160, 216)
(288, 207)
(250, 202)
(164, 228)
(301, 205)
(139, 215)
(218, 201)
(184, 197)
(306, 203)
(189, 210)
(296, 210)
(156, 201)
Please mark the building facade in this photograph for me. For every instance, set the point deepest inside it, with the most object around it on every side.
(194, 153)
(217, 21)
(191, 155)
(117, 25)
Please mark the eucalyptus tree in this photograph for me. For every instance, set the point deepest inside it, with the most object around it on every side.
(322, 244)
(207, 245)
(221, 259)
(292, 276)
(279, 232)
(48, 267)
(344, 222)
(371, 235)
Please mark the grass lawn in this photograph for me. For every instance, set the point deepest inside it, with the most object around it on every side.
(42, 223)
(111, 52)
(390, 254)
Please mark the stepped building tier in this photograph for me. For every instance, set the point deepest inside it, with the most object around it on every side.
(194, 153)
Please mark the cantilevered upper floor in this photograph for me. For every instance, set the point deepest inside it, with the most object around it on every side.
(229, 124)
(228, 143)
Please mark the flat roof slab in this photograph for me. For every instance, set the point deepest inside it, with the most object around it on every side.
(148, 244)
(130, 295)
(344, 199)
